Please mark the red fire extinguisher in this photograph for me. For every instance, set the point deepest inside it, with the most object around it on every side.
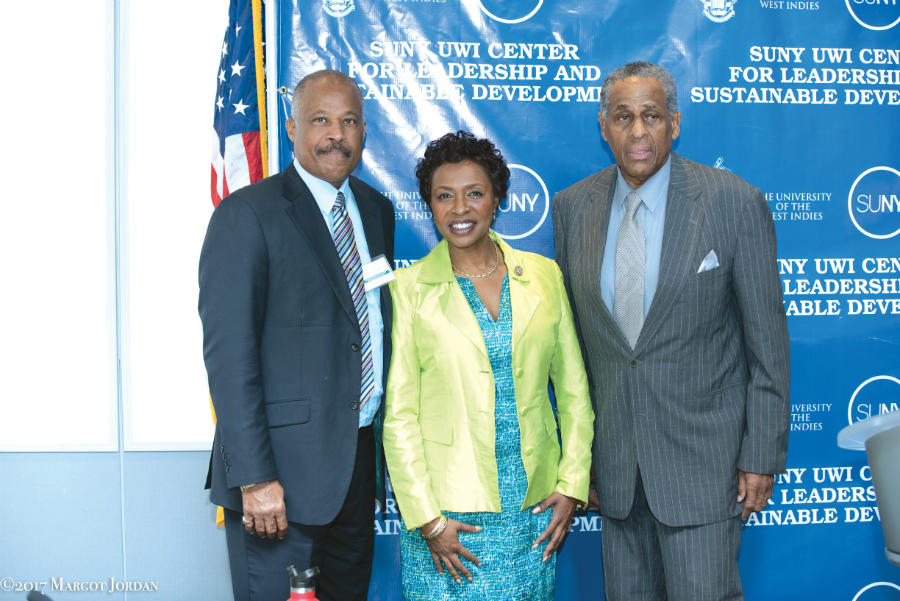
(302, 584)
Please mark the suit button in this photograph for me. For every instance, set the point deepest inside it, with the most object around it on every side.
(354, 405)
(354, 347)
(634, 363)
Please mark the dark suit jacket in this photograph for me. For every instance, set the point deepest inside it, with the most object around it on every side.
(706, 390)
(281, 344)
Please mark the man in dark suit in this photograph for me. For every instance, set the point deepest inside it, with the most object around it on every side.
(671, 270)
(296, 348)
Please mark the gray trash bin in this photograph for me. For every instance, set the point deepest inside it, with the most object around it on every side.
(880, 437)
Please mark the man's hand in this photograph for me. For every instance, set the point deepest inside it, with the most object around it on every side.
(264, 512)
(558, 528)
(754, 491)
(445, 548)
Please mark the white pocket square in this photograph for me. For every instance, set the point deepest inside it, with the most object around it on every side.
(711, 261)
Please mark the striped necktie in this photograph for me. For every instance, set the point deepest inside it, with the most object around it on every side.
(628, 300)
(345, 243)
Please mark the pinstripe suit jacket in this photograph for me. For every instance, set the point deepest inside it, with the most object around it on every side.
(705, 392)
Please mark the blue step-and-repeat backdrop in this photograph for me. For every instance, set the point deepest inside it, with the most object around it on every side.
(800, 98)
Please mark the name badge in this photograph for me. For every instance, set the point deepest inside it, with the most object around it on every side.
(377, 273)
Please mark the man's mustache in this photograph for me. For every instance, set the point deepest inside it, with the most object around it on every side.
(332, 147)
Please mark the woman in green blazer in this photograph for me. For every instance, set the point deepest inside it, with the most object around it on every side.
(470, 435)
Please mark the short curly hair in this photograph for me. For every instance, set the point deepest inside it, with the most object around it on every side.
(458, 147)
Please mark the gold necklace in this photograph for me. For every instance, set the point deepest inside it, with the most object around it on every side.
(480, 275)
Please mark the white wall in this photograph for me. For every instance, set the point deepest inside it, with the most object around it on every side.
(170, 82)
(105, 203)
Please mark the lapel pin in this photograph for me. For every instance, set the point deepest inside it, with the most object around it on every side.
(518, 270)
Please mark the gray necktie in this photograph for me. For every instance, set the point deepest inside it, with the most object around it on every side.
(628, 302)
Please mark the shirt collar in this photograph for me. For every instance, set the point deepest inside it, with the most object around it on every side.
(654, 190)
(324, 193)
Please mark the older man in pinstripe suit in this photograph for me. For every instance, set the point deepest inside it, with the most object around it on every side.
(671, 271)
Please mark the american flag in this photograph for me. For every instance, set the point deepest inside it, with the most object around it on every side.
(239, 138)
(238, 156)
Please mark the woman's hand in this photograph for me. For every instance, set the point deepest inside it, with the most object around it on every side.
(558, 528)
(445, 548)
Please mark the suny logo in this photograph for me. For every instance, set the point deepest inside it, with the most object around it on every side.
(507, 14)
(718, 11)
(878, 591)
(875, 396)
(338, 8)
(876, 15)
(525, 207)
(874, 202)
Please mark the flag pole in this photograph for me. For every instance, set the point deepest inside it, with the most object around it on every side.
(260, 85)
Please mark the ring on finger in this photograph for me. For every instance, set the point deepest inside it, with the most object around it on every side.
(247, 521)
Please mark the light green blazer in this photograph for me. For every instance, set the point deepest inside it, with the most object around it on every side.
(439, 420)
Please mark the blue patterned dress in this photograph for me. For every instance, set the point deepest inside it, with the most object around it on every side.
(510, 569)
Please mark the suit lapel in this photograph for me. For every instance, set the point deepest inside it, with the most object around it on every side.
(457, 311)
(371, 219)
(599, 204)
(373, 228)
(437, 272)
(523, 301)
(305, 214)
(684, 211)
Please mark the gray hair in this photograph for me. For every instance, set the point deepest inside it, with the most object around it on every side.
(316, 76)
(645, 70)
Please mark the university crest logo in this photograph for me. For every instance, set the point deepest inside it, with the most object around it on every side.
(718, 11)
(338, 8)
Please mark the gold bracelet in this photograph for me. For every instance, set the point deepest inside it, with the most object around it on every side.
(436, 531)
(246, 487)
